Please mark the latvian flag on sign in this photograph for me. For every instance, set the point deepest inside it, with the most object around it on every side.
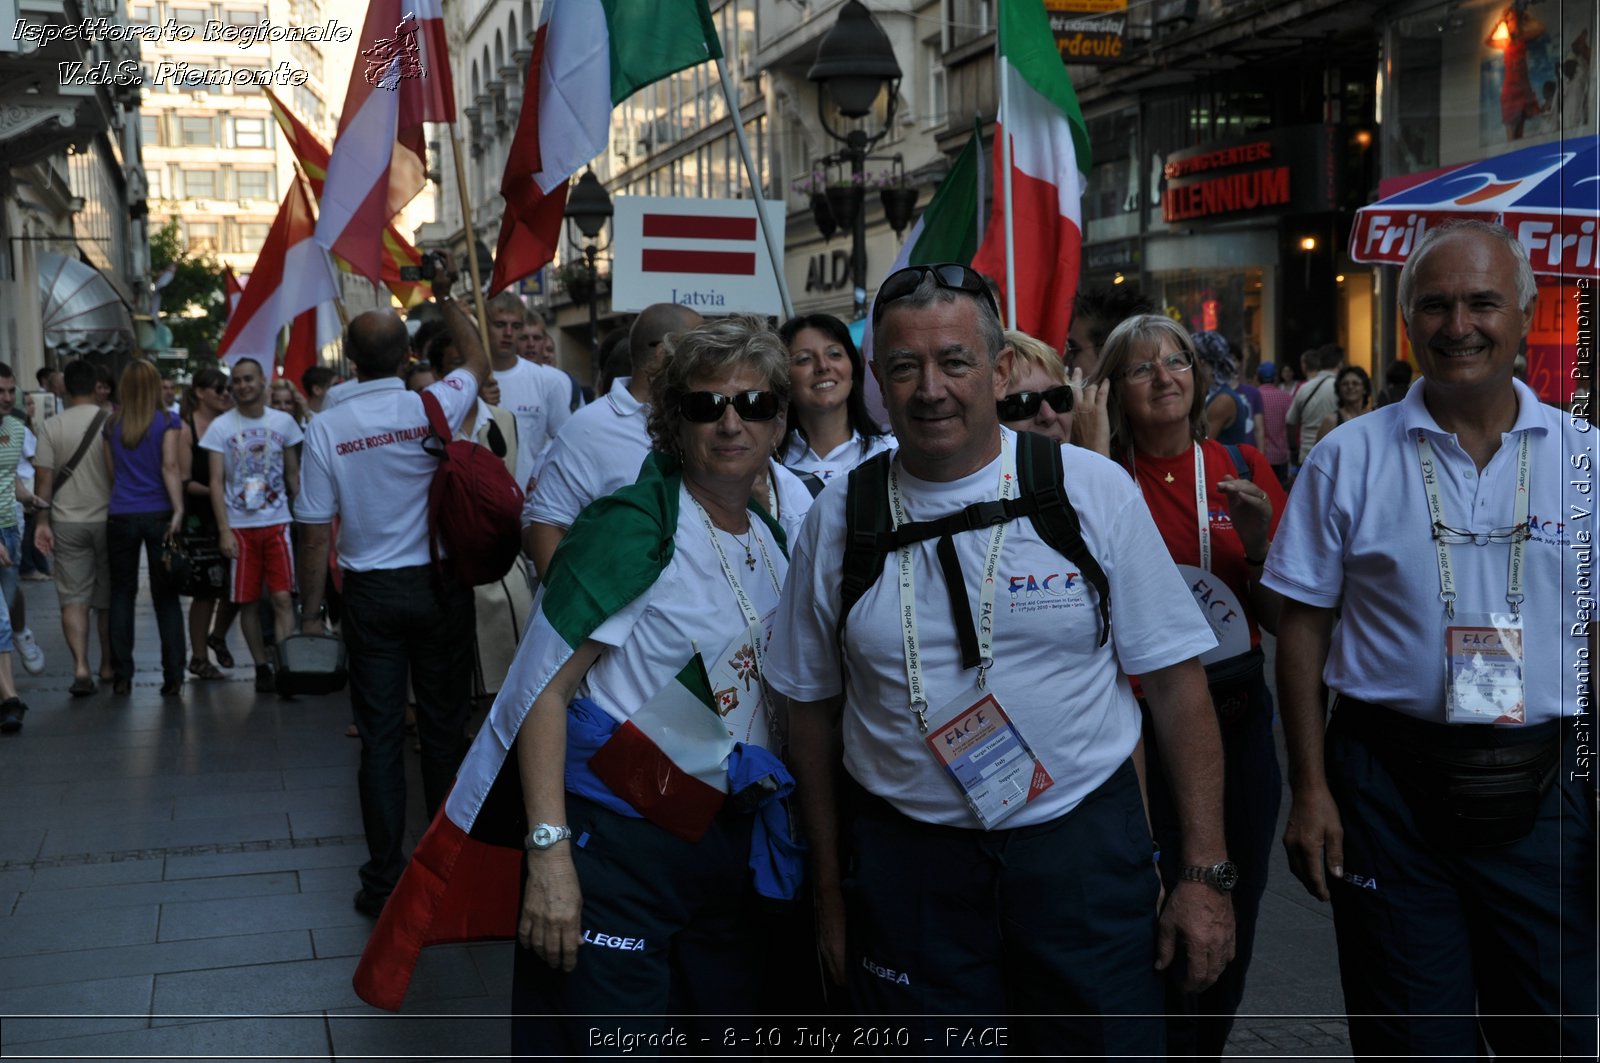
(709, 244)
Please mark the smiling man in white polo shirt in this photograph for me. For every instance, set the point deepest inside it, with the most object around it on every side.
(364, 464)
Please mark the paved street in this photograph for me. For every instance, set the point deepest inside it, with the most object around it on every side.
(176, 878)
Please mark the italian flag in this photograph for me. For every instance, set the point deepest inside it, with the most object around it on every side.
(463, 881)
(588, 55)
(1043, 136)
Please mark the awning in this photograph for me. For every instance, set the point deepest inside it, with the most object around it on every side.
(82, 314)
(1549, 195)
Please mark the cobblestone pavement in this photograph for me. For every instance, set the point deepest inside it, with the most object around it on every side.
(176, 878)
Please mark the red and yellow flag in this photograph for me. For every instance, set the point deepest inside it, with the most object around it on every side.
(397, 250)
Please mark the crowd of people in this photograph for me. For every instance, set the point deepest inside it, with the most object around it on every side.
(963, 714)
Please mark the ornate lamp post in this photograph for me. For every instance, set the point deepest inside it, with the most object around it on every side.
(589, 208)
(855, 62)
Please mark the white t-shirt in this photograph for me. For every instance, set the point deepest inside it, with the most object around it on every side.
(1068, 696)
(1356, 536)
(691, 604)
(252, 465)
(539, 397)
(364, 463)
(838, 461)
(597, 451)
(794, 500)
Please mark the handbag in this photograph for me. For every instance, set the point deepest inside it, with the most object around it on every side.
(310, 664)
(194, 562)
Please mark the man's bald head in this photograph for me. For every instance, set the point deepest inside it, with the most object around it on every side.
(654, 324)
(377, 342)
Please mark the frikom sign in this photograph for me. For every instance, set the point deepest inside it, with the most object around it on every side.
(706, 254)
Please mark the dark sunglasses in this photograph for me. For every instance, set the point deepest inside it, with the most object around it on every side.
(949, 275)
(1025, 404)
(705, 407)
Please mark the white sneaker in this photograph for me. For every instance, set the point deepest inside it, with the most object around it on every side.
(32, 656)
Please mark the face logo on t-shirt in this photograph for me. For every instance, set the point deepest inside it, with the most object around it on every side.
(1032, 593)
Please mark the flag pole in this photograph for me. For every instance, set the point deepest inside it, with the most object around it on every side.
(755, 188)
(472, 242)
(1003, 124)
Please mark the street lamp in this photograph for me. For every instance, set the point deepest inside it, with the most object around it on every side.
(855, 62)
(589, 208)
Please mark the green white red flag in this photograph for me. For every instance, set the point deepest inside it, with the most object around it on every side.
(1041, 130)
(588, 55)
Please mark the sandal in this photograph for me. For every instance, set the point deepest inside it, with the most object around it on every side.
(219, 646)
(203, 669)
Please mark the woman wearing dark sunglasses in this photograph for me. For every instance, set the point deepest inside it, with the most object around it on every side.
(1158, 419)
(830, 431)
(1046, 399)
(639, 900)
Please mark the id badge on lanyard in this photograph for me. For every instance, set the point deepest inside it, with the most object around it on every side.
(971, 737)
(1485, 678)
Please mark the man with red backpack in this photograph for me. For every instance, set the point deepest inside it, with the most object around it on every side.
(404, 616)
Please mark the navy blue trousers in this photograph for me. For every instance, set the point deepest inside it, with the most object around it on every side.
(1444, 949)
(671, 932)
(1198, 1023)
(395, 628)
(1048, 930)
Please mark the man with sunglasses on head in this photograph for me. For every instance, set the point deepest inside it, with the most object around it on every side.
(986, 812)
(1432, 563)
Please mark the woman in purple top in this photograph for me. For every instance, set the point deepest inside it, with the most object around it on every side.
(146, 508)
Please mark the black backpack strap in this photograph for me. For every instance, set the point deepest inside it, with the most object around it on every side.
(866, 518)
(1240, 466)
(1040, 477)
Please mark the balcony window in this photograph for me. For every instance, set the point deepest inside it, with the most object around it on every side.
(200, 184)
(253, 184)
(201, 235)
(252, 235)
(197, 132)
(249, 132)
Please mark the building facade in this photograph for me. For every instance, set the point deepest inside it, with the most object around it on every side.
(73, 258)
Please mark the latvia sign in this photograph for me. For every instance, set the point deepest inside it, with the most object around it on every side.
(706, 254)
(1548, 195)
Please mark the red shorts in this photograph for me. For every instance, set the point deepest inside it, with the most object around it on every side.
(264, 557)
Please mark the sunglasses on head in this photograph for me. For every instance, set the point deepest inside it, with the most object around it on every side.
(705, 407)
(951, 276)
(1025, 404)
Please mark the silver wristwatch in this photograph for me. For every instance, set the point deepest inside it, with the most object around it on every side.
(544, 835)
(1221, 877)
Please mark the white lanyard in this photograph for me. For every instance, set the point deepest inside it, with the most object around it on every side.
(750, 615)
(1202, 515)
(1519, 518)
(908, 589)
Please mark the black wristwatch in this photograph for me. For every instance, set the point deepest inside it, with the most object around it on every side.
(1220, 877)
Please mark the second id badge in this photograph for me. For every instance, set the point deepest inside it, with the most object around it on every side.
(986, 757)
(1484, 669)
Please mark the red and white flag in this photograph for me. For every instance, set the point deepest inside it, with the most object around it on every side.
(292, 274)
(709, 244)
(379, 163)
(232, 289)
